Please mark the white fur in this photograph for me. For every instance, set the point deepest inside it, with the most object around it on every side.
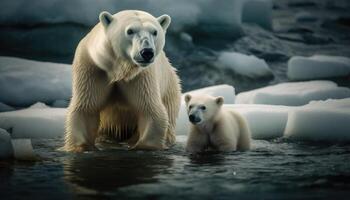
(115, 95)
(219, 128)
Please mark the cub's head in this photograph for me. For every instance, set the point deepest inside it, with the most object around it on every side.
(135, 35)
(201, 108)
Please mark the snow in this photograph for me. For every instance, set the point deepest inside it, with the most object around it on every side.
(249, 66)
(317, 66)
(294, 93)
(183, 12)
(320, 121)
(227, 91)
(38, 121)
(24, 82)
(6, 150)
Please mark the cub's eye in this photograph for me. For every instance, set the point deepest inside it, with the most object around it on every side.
(130, 32)
(191, 106)
(203, 107)
(155, 33)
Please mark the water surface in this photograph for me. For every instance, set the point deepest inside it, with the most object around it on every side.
(276, 169)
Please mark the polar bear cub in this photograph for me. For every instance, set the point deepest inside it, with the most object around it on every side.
(214, 126)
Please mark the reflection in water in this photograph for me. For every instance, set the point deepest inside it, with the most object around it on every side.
(207, 158)
(106, 171)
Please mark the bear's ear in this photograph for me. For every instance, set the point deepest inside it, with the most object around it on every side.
(219, 100)
(187, 98)
(164, 21)
(105, 18)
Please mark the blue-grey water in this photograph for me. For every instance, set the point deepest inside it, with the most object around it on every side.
(278, 169)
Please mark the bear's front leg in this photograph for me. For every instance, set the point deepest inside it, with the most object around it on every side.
(197, 141)
(152, 127)
(81, 131)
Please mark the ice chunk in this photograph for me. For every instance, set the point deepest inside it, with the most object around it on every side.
(6, 150)
(227, 91)
(34, 122)
(264, 121)
(317, 66)
(320, 121)
(24, 82)
(38, 105)
(294, 94)
(244, 65)
(23, 149)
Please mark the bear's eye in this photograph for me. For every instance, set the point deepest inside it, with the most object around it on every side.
(155, 33)
(130, 32)
(191, 106)
(203, 107)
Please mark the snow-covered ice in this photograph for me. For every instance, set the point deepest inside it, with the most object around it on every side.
(249, 66)
(294, 93)
(25, 82)
(320, 121)
(317, 66)
(34, 122)
(264, 121)
(227, 91)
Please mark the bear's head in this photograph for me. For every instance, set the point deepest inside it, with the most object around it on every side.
(135, 35)
(202, 108)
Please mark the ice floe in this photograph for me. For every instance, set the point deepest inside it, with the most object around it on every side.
(24, 82)
(244, 65)
(317, 66)
(294, 93)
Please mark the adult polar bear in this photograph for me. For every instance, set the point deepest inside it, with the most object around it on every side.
(123, 84)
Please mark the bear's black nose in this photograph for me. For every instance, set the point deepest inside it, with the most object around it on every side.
(147, 54)
(192, 118)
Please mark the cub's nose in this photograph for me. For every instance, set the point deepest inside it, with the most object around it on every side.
(147, 54)
(192, 118)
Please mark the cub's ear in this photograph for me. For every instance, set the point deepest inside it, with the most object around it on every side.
(187, 98)
(219, 100)
(105, 18)
(164, 21)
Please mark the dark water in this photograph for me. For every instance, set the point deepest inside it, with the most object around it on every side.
(272, 170)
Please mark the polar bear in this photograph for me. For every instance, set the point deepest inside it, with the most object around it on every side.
(214, 126)
(123, 84)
